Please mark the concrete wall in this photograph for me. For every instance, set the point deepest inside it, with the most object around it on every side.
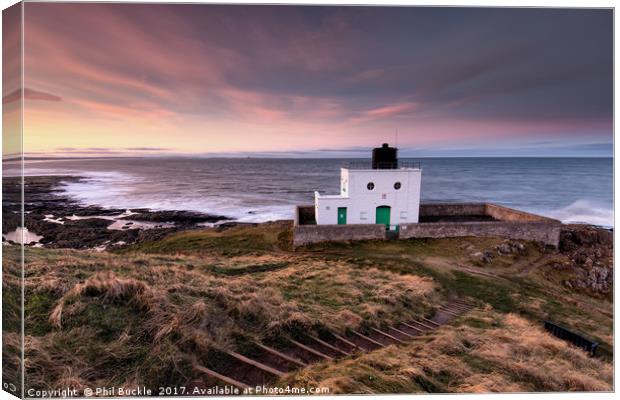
(452, 209)
(547, 232)
(308, 234)
(508, 214)
(510, 223)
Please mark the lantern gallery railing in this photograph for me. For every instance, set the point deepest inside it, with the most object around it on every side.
(382, 165)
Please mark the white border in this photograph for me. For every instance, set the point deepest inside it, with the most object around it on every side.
(480, 3)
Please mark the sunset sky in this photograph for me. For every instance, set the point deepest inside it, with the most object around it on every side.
(121, 79)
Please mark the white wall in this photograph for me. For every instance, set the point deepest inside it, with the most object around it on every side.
(361, 203)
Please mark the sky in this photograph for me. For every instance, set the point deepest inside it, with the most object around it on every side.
(303, 81)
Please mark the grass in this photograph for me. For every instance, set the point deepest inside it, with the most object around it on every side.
(148, 314)
(513, 356)
(234, 241)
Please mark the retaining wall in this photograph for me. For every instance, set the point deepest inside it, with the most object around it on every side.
(308, 234)
(538, 231)
(509, 214)
(508, 223)
(452, 209)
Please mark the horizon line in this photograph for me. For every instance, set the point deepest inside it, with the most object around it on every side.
(103, 157)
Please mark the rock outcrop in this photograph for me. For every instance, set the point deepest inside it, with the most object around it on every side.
(588, 262)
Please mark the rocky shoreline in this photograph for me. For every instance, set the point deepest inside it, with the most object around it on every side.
(54, 220)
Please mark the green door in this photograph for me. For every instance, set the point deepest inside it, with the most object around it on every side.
(383, 215)
(342, 215)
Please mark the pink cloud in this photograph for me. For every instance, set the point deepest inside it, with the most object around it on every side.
(392, 110)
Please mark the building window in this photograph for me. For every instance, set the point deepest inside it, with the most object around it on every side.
(370, 186)
(327, 207)
(403, 215)
(363, 215)
(397, 185)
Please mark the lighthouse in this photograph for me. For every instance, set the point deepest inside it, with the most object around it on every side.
(385, 191)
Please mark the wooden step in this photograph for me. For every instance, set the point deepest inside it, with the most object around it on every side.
(401, 332)
(424, 337)
(281, 355)
(455, 310)
(350, 343)
(465, 303)
(413, 327)
(430, 322)
(424, 325)
(310, 349)
(367, 339)
(221, 377)
(458, 306)
(450, 312)
(255, 363)
(329, 346)
(387, 335)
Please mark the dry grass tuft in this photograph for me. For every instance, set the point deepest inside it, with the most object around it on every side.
(531, 355)
(109, 288)
(11, 357)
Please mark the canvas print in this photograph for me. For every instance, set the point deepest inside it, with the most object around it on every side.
(226, 199)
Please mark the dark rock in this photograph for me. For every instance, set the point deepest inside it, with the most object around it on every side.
(504, 248)
(178, 217)
(510, 247)
(589, 251)
(44, 196)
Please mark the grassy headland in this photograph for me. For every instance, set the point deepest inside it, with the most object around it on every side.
(150, 313)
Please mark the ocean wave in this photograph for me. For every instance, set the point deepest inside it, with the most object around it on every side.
(105, 189)
(126, 191)
(584, 212)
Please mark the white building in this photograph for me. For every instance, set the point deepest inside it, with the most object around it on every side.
(380, 193)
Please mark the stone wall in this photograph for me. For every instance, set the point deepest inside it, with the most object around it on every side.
(508, 214)
(508, 223)
(452, 209)
(308, 234)
(547, 232)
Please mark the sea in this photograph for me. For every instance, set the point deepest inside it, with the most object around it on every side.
(575, 190)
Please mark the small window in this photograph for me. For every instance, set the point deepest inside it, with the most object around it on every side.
(363, 215)
(403, 215)
(397, 185)
(370, 186)
(327, 207)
